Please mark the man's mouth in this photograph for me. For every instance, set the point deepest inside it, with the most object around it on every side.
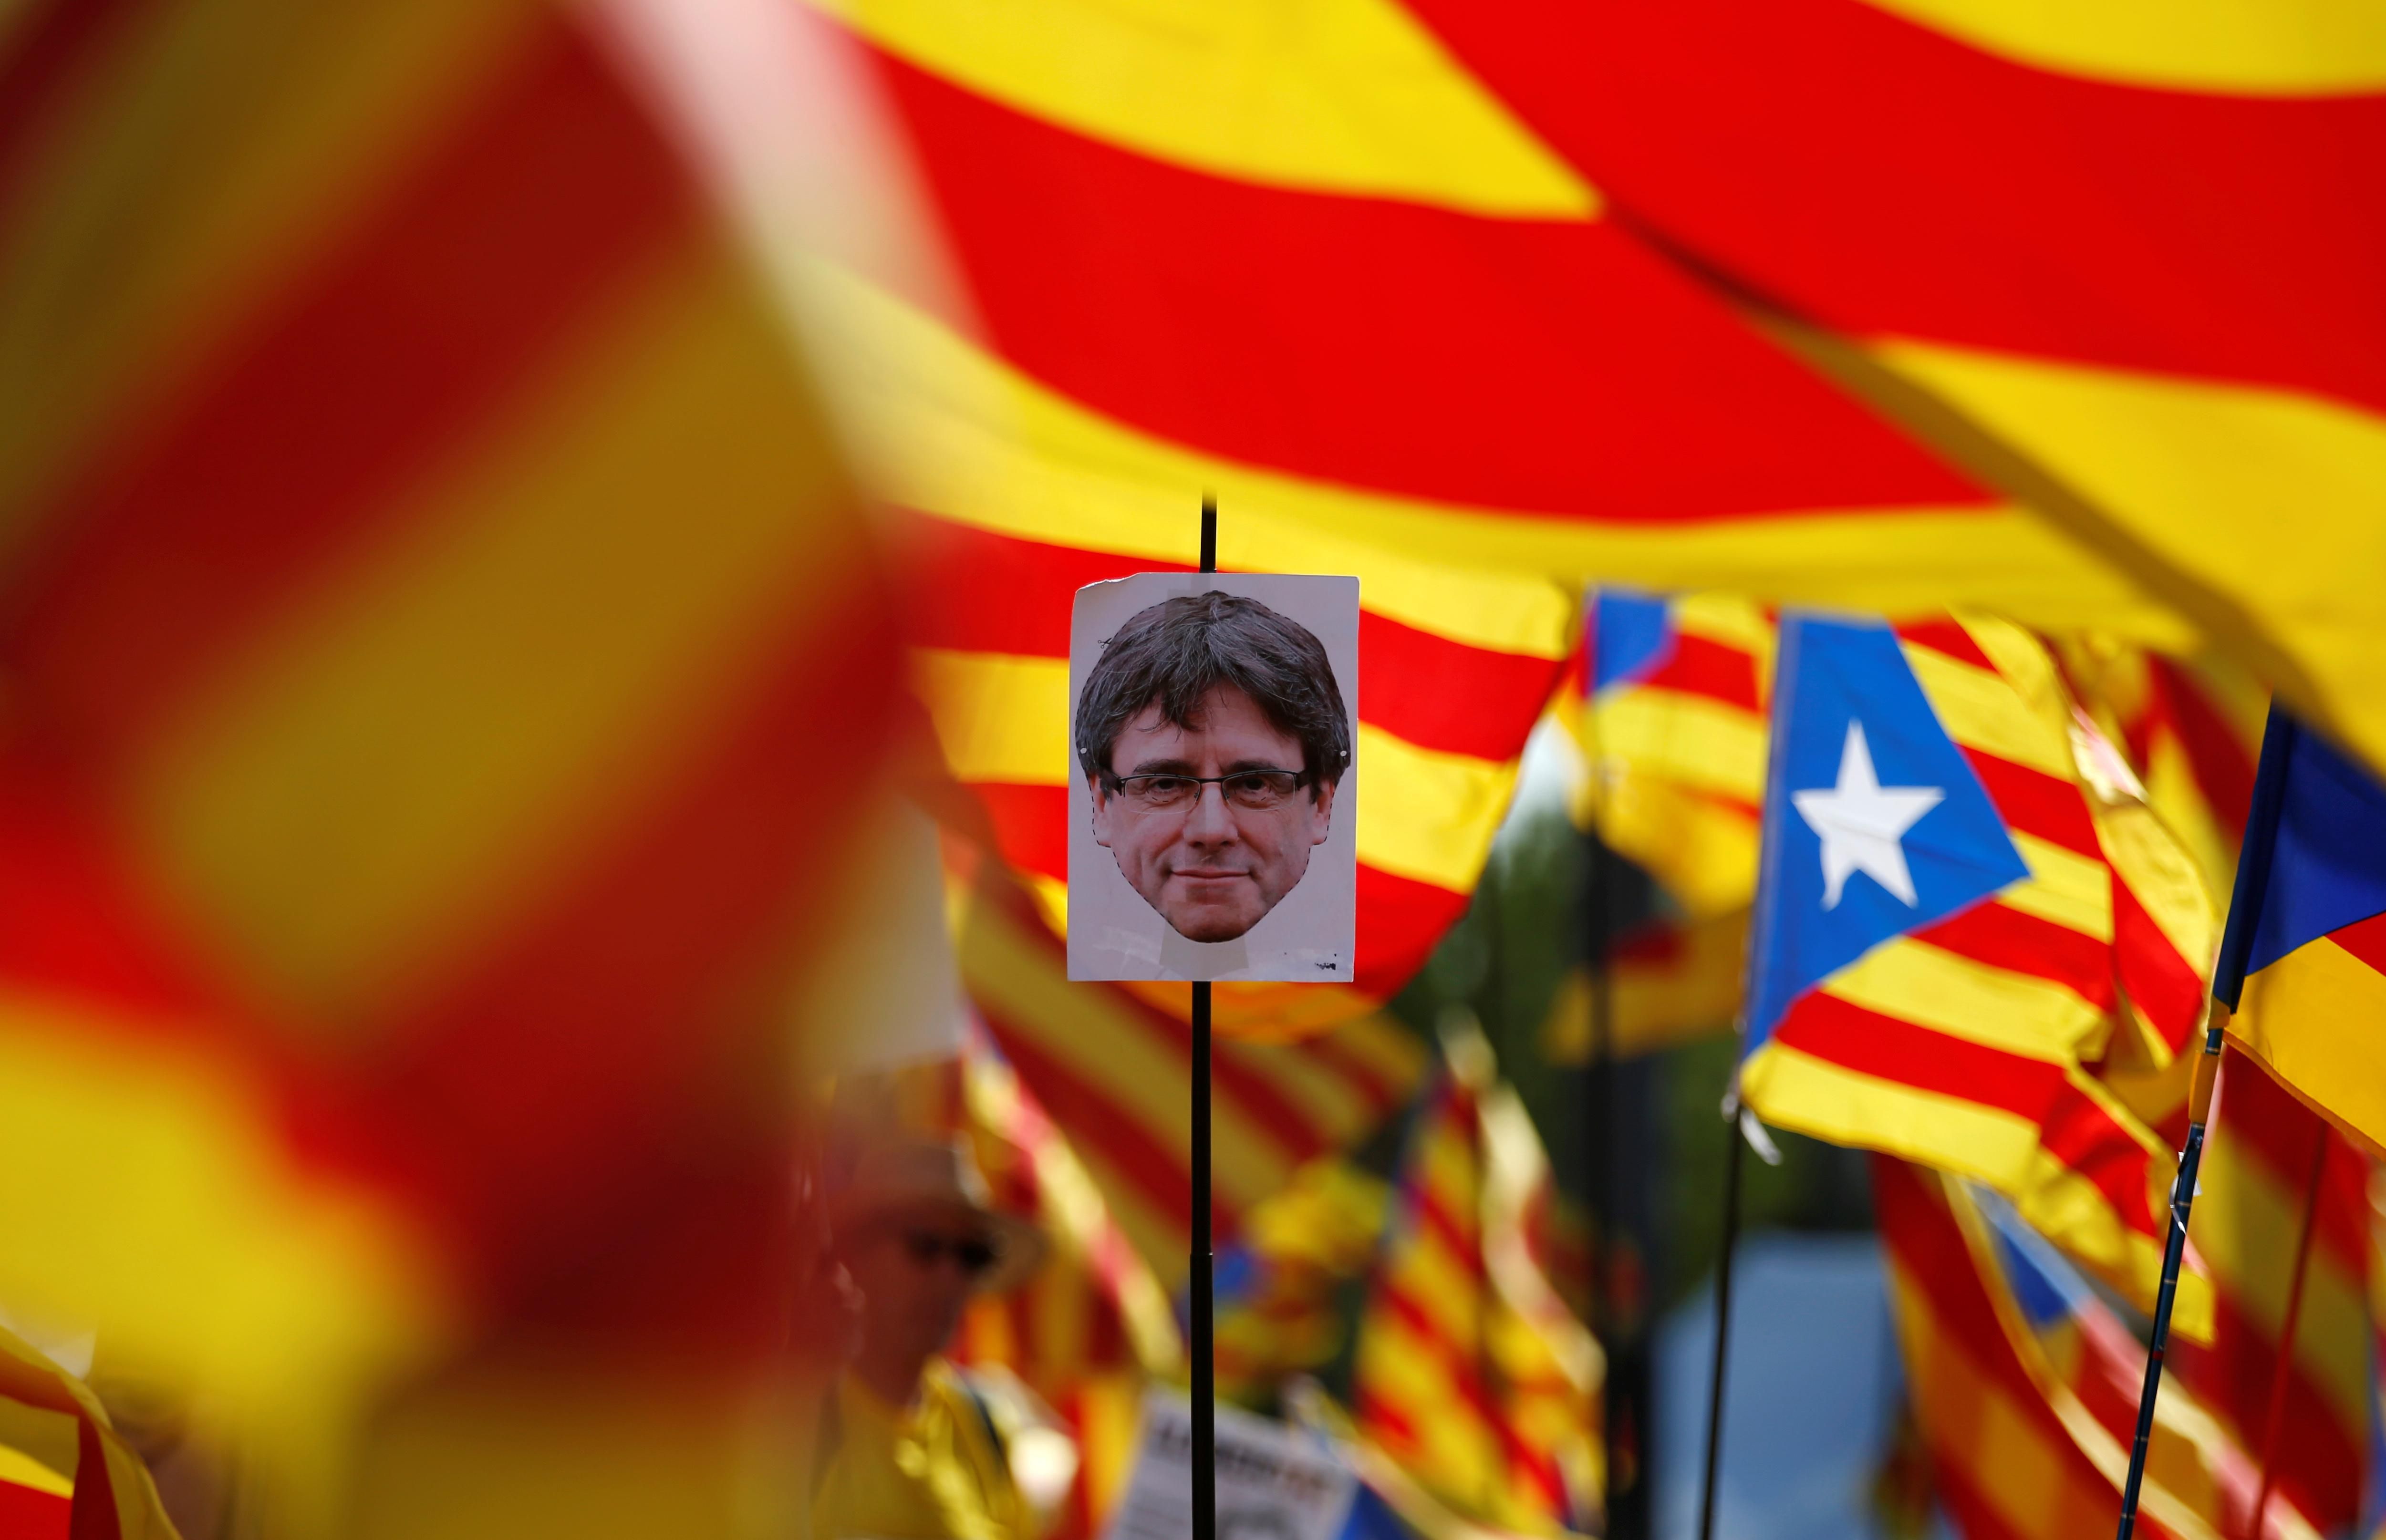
(1207, 873)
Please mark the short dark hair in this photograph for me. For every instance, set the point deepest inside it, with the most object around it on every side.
(1177, 651)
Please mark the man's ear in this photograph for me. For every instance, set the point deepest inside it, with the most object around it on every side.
(1100, 796)
(1321, 811)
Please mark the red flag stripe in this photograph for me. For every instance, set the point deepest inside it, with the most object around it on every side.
(1385, 344)
(1100, 1126)
(256, 476)
(2032, 802)
(1896, 1050)
(974, 591)
(1712, 670)
(2001, 937)
(1867, 170)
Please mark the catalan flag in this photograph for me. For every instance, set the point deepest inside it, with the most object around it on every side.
(2116, 268)
(1473, 1378)
(1093, 1324)
(1428, 355)
(1668, 703)
(2281, 1227)
(2304, 969)
(1277, 1309)
(437, 619)
(65, 1473)
(1114, 1070)
(2025, 1384)
(1959, 909)
(1668, 981)
(1454, 670)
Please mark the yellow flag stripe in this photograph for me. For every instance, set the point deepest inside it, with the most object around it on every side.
(1348, 97)
(1696, 741)
(23, 1469)
(276, 1277)
(2246, 1222)
(539, 624)
(1983, 711)
(1426, 815)
(2308, 1018)
(2186, 469)
(252, 176)
(1913, 981)
(1001, 718)
(949, 429)
(2063, 886)
(1017, 980)
(2239, 48)
(2009, 1457)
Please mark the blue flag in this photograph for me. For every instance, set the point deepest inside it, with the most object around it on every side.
(2315, 856)
(1875, 823)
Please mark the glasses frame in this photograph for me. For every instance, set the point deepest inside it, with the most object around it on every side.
(1118, 783)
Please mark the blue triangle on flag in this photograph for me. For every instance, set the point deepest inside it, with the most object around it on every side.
(1875, 823)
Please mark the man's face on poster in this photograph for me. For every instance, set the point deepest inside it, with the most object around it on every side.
(1212, 824)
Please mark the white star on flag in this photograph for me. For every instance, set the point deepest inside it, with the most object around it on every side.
(1861, 821)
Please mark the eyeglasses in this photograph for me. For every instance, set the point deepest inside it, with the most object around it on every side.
(1254, 790)
(926, 1247)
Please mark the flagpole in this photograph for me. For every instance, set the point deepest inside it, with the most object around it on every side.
(2276, 1416)
(1203, 1259)
(2182, 1199)
(1600, 1151)
(1732, 1156)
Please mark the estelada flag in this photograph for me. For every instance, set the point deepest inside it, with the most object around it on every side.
(1934, 953)
(2303, 966)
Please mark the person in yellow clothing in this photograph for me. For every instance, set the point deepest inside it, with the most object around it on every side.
(910, 1450)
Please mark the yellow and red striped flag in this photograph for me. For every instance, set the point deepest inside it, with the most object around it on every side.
(1454, 670)
(1965, 1043)
(1667, 700)
(446, 662)
(65, 1472)
(1114, 1070)
(1092, 1324)
(2280, 1171)
(2026, 1386)
(1277, 1311)
(2118, 267)
(1473, 1378)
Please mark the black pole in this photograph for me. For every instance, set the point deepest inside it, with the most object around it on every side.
(2183, 1198)
(1722, 1319)
(1616, 1239)
(1204, 1260)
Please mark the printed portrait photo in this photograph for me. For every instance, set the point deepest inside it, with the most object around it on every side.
(1213, 724)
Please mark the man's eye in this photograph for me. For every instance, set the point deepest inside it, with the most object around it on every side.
(1166, 785)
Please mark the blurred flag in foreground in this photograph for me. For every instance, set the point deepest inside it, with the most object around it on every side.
(1949, 923)
(2302, 969)
(2026, 1385)
(448, 680)
(1473, 1378)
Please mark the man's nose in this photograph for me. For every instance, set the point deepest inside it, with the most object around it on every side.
(1211, 821)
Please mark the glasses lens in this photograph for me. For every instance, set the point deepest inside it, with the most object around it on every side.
(1163, 791)
(1260, 789)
